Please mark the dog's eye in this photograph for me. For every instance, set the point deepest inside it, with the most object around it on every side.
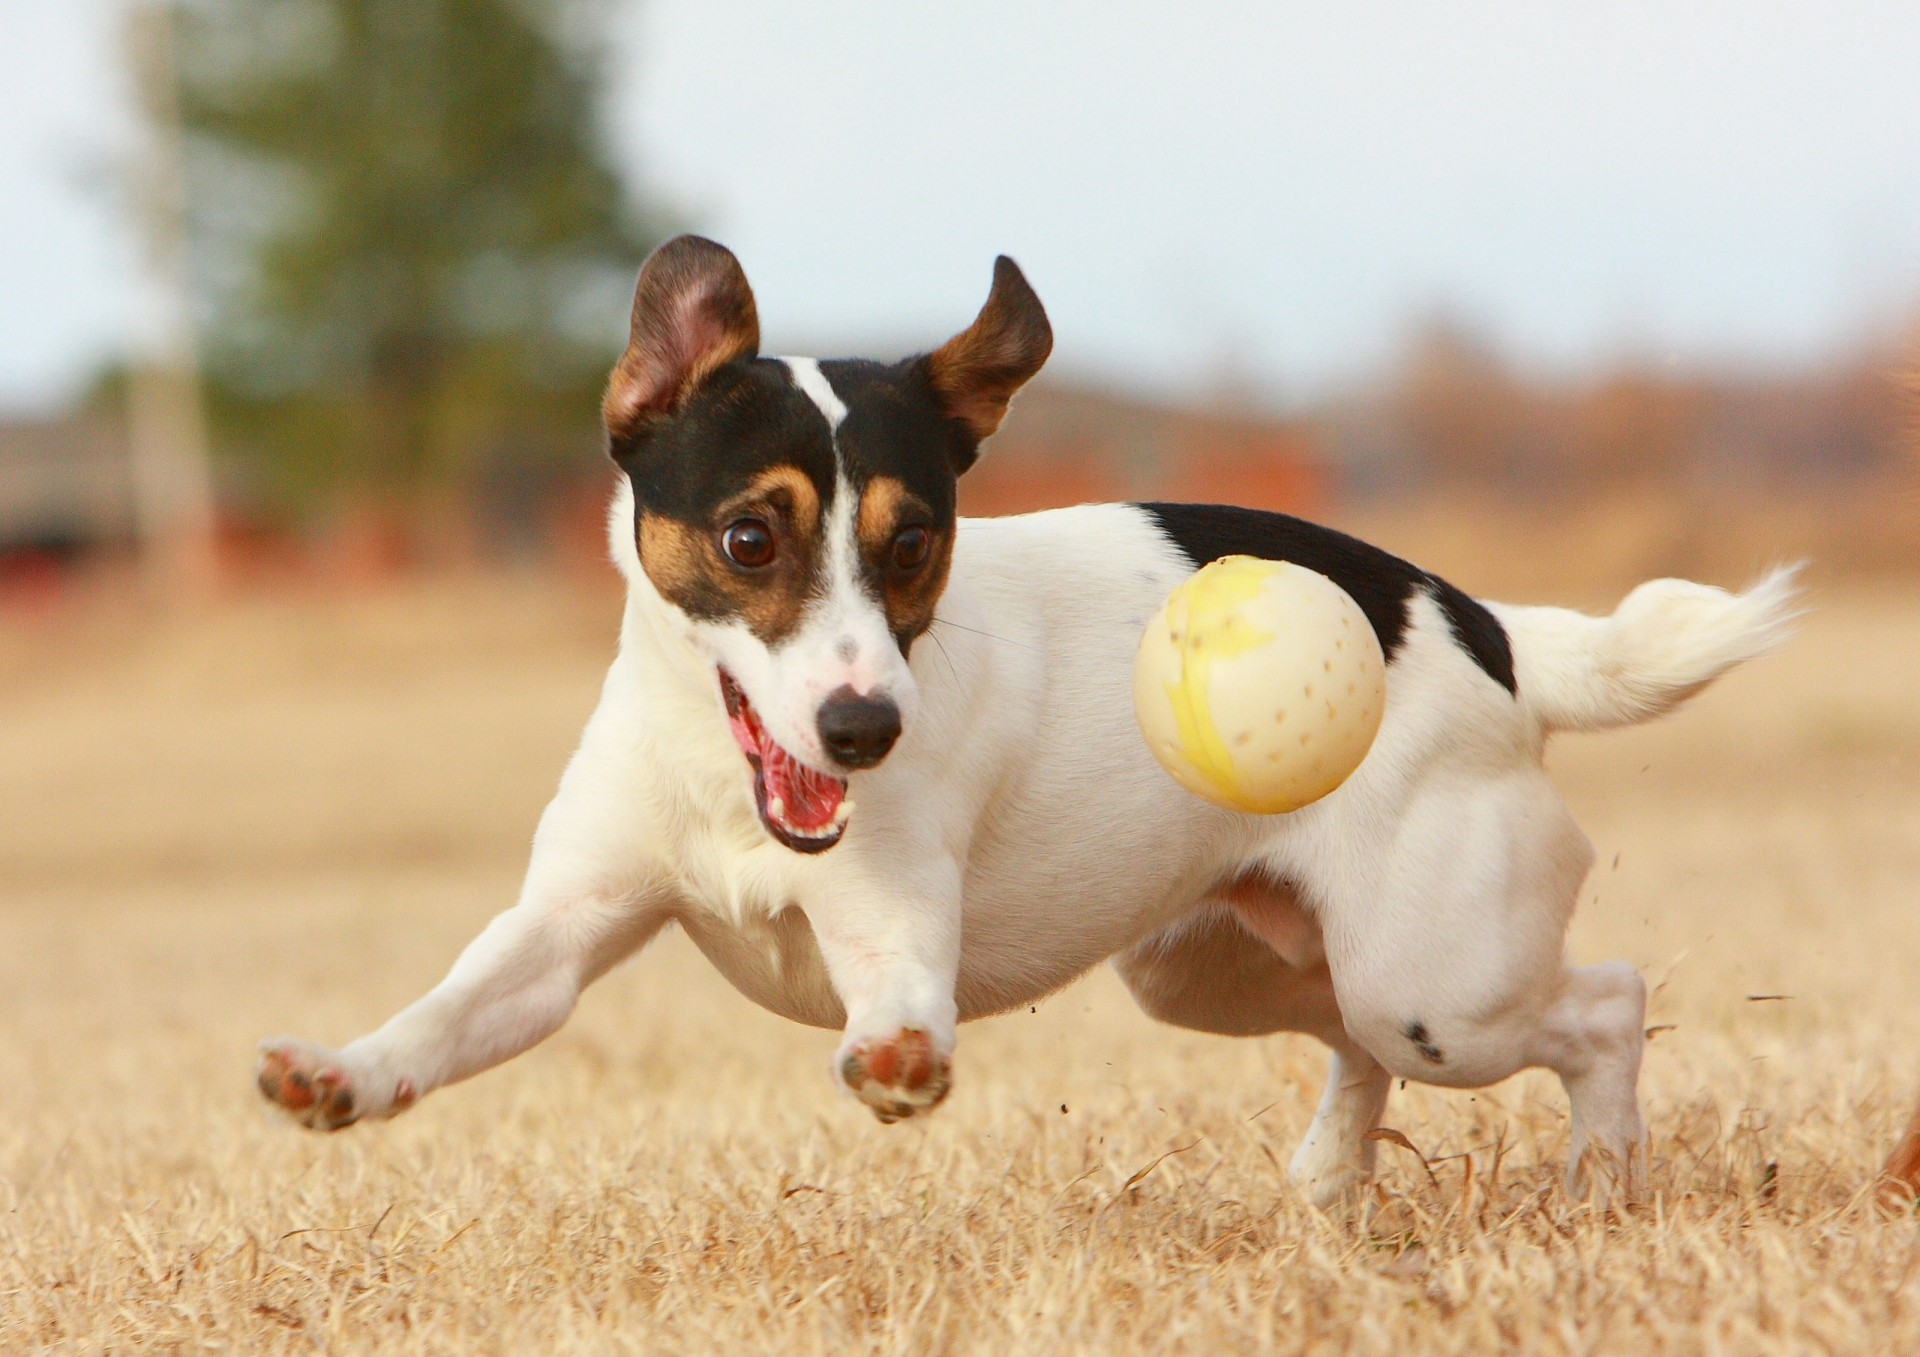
(748, 543)
(911, 547)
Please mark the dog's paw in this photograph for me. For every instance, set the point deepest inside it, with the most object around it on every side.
(315, 1087)
(1607, 1178)
(896, 1076)
(1328, 1186)
(1328, 1173)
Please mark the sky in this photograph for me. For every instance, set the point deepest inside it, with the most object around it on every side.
(1223, 193)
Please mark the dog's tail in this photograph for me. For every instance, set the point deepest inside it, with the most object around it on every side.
(1666, 641)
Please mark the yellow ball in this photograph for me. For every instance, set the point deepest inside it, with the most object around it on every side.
(1259, 685)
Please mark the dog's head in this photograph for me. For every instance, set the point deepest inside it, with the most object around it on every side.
(800, 514)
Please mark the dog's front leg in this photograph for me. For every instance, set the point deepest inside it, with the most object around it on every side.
(593, 894)
(513, 986)
(892, 950)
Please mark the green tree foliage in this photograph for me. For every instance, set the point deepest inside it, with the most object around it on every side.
(413, 248)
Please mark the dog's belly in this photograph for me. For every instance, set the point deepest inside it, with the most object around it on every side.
(1011, 955)
(777, 964)
(1026, 935)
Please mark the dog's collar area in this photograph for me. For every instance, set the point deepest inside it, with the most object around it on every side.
(801, 808)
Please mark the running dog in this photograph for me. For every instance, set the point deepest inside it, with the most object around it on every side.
(809, 626)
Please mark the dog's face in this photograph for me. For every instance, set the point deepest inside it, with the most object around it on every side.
(799, 515)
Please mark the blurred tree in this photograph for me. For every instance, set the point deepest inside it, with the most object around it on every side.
(1467, 417)
(1631, 425)
(413, 251)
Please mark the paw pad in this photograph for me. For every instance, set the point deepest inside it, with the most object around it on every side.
(335, 1096)
(313, 1092)
(897, 1076)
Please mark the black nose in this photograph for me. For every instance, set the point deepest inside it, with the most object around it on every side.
(858, 731)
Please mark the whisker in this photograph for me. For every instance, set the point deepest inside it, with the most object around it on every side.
(943, 652)
(941, 621)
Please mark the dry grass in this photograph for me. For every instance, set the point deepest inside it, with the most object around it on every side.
(288, 816)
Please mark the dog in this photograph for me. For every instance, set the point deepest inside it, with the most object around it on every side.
(880, 763)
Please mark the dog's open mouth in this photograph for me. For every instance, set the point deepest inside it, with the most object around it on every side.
(805, 810)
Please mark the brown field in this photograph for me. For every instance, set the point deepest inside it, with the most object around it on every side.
(287, 815)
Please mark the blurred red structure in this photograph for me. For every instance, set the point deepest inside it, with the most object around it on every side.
(1072, 445)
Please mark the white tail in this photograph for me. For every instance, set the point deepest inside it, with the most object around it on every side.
(1666, 641)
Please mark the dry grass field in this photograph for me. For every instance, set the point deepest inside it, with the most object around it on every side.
(287, 816)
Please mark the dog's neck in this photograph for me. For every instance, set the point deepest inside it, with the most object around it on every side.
(658, 636)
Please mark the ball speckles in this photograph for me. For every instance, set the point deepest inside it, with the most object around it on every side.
(1216, 666)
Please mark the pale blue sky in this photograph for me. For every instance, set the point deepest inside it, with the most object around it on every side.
(1288, 183)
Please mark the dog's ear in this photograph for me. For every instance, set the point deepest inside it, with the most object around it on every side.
(692, 313)
(977, 371)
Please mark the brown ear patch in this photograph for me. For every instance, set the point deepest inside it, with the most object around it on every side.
(693, 312)
(909, 599)
(977, 372)
(685, 563)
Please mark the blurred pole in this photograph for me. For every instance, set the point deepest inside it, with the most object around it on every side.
(172, 464)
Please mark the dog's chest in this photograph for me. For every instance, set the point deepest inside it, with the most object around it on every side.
(738, 900)
(773, 960)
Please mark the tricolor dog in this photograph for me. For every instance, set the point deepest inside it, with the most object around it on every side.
(881, 764)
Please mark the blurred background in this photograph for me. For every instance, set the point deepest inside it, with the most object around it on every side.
(324, 290)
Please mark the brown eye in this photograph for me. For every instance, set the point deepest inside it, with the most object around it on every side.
(911, 547)
(748, 543)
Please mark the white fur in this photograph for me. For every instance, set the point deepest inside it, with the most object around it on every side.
(843, 641)
(1020, 833)
(810, 379)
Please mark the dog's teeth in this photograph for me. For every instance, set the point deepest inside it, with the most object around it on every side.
(844, 814)
(776, 809)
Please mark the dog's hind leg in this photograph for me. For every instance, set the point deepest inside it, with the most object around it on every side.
(1446, 950)
(1593, 1036)
(1336, 1156)
(1221, 969)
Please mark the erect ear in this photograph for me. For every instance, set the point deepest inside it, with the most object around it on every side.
(977, 371)
(692, 313)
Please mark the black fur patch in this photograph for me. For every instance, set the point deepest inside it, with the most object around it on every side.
(896, 427)
(1423, 1043)
(1381, 583)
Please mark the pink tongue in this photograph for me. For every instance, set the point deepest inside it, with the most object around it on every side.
(809, 798)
